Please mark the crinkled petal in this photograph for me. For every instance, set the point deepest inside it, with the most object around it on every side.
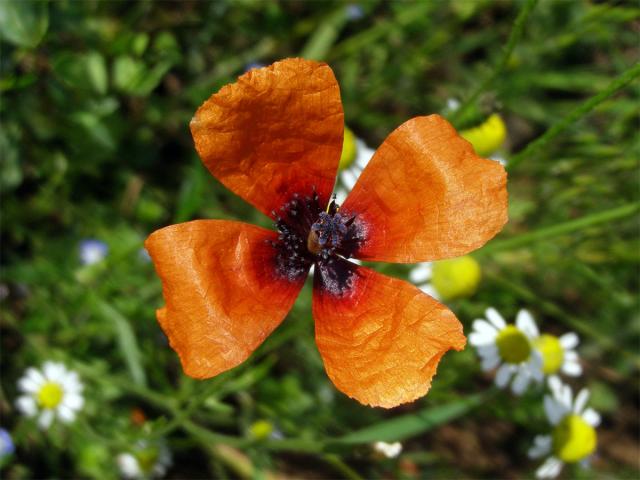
(275, 132)
(380, 338)
(425, 195)
(222, 291)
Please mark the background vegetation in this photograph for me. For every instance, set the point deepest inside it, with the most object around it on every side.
(96, 100)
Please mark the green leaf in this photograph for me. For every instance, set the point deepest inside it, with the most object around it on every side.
(126, 340)
(86, 71)
(23, 22)
(406, 426)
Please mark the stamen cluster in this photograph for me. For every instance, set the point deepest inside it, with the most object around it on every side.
(309, 235)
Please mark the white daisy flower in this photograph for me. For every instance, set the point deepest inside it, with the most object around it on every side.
(447, 279)
(558, 354)
(355, 157)
(52, 392)
(508, 348)
(145, 461)
(92, 251)
(573, 438)
(389, 450)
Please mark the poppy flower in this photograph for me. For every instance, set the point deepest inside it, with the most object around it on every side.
(275, 138)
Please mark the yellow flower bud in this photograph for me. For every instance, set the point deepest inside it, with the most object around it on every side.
(487, 137)
(456, 277)
(349, 149)
(261, 430)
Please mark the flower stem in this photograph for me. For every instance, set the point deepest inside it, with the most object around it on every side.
(561, 229)
(614, 87)
(518, 27)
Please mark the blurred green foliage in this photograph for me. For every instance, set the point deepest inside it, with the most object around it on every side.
(96, 100)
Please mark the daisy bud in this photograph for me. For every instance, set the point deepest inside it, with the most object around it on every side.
(487, 137)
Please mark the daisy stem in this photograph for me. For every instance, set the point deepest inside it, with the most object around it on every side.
(518, 27)
(615, 86)
(581, 326)
(545, 233)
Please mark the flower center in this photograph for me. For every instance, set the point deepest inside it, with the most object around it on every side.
(513, 345)
(456, 278)
(573, 439)
(50, 395)
(308, 235)
(552, 353)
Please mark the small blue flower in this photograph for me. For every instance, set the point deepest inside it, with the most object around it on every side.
(6, 444)
(354, 12)
(92, 251)
(252, 65)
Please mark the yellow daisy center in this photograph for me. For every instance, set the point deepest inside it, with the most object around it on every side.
(573, 439)
(349, 149)
(552, 353)
(261, 429)
(456, 278)
(487, 137)
(50, 395)
(513, 345)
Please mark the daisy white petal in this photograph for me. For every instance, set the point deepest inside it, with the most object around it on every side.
(526, 323)
(128, 465)
(27, 405)
(478, 339)
(550, 468)
(53, 371)
(521, 382)
(429, 290)
(28, 385)
(364, 153)
(581, 401)
(494, 317)
(555, 412)
(490, 362)
(488, 350)
(421, 273)
(503, 375)
(74, 401)
(66, 414)
(348, 178)
(572, 369)
(591, 417)
(541, 446)
(34, 375)
(45, 419)
(482, 326)
(569, 340)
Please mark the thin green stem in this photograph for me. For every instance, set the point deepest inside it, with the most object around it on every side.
(514, 37)
(335, 461)
(614, 87)
(560, 229)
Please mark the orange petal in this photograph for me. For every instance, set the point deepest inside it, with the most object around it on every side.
(381, 338)
(275, 132)
(426, 195)
(223, 297)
